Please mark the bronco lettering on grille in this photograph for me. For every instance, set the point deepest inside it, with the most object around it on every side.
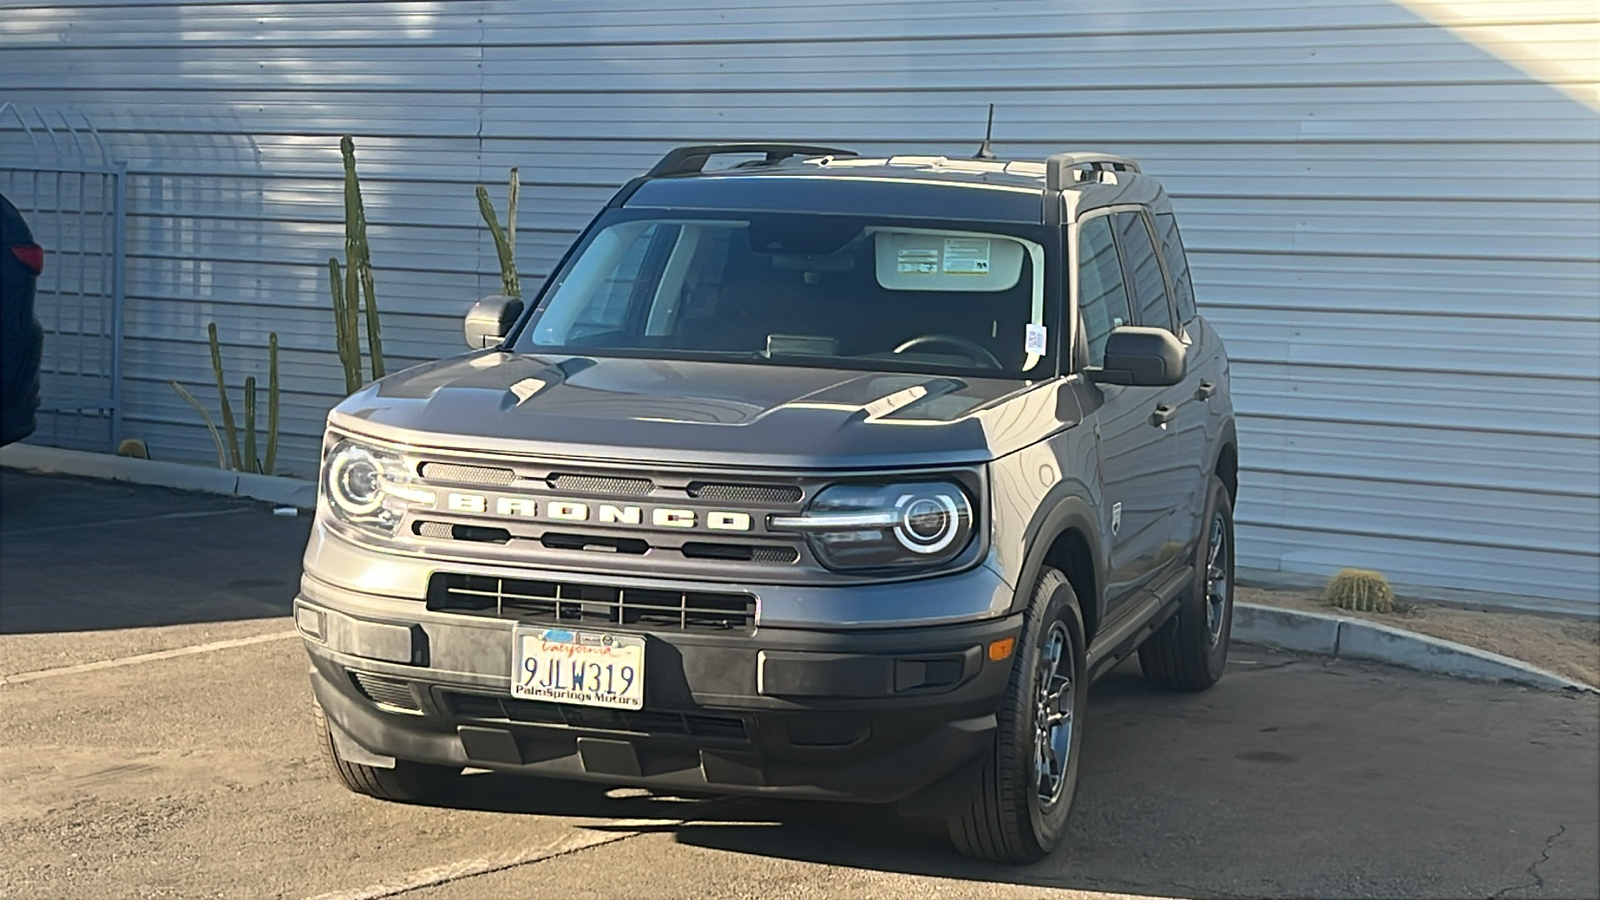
(604, 514)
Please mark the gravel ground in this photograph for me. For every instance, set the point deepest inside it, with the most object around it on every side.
(1561, 644)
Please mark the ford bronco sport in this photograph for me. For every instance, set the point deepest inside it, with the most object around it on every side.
(810, 476)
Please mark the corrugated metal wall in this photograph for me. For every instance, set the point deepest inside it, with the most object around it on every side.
(1394, 213)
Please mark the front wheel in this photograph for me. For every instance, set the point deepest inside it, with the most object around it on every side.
(407, 782)
(1023, 790)
(1190, 652)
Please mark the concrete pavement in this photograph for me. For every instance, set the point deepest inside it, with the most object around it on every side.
(185, 764)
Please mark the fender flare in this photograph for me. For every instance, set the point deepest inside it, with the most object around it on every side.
(1065, 510)
(1227, 436)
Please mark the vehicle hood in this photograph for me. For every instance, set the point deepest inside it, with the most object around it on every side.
(710, 413)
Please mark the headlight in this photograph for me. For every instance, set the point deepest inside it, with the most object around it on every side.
(369, 488)
(885, 526)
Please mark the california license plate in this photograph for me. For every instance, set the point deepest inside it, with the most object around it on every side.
(588, 668)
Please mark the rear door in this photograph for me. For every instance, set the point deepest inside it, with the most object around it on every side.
(1206, 372)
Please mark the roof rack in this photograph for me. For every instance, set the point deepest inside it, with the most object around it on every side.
(1058, 165)
(692, 160)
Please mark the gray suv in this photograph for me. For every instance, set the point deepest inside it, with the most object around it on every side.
(810, 476)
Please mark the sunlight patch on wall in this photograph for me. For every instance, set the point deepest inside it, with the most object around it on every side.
(1555, 41)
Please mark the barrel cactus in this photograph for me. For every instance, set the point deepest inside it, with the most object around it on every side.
(1361, 590)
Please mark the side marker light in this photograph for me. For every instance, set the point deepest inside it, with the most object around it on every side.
(1000, 650)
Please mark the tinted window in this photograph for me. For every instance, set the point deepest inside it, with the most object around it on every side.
(1102, 296)
(1144, 269)
(613, 300)
(1177, 265)
(801, 290)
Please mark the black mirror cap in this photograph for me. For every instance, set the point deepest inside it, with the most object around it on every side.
(1141, 357)
(491, 319)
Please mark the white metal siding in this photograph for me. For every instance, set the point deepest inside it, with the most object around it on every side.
(1393, 212)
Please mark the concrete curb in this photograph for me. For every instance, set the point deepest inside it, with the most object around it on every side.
(269, 488)
(1347, 637)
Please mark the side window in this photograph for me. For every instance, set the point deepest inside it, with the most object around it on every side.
(1144, 270)
(1177, 265)
(1102, 296)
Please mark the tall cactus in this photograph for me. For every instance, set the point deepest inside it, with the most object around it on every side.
(505, 241)
(271, 461)
(354, 283)
(344, 328)
(250, 424)
(222, 397)
(232, 456)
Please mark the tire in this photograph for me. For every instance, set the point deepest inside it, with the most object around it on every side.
(1007, 817)
(1190, 652)
(407, 782)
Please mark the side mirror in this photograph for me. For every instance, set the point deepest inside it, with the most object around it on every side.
(1142, 357)
(490, 319)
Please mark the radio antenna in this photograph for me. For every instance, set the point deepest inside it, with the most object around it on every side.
(985, 151)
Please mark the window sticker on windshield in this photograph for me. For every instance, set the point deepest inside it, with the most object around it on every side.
(1034, 340)
(917, 261)
(966, 256)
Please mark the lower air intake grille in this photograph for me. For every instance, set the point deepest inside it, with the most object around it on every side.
(574, 604)
(387, 693)
(653, 722)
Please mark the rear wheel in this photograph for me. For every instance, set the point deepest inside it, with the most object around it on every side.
(407, 782)
(1190, 652)
(1023, 790)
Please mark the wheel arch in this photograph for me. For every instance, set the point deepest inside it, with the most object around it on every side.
(1226, 463)
(1068, 539)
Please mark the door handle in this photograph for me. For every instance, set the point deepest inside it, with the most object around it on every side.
(1206, 391)
(1163, 414)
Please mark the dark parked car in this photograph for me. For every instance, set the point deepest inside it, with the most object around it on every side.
(816, 476)
(21, 338)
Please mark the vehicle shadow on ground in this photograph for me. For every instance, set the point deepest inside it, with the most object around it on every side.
(82, 555)
(1294, 776)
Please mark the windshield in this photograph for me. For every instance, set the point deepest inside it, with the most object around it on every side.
(803, 290)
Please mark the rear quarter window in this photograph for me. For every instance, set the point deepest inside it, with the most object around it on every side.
(1177, 265)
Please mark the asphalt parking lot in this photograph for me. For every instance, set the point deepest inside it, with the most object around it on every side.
(157, 742)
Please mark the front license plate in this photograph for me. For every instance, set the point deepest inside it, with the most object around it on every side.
(588, 668)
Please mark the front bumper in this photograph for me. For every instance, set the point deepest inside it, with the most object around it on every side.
(869, 715)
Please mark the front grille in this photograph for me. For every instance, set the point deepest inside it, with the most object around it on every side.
(746, 493)
(445, 530)
(435, 471)
(642, 722)
(740, 552)
(577, 604)
(387, 693)
(598, 484)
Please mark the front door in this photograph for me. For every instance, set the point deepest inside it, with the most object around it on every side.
(1177, 478)
(1134, 505)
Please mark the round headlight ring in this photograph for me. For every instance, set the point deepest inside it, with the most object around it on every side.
(928, 523)
(355, 480)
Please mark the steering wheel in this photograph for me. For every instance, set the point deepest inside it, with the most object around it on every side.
(971, 350)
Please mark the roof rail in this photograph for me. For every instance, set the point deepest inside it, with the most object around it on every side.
(1058, 165)
(692, 160)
